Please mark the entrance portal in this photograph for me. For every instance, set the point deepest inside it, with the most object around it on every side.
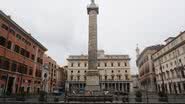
(10, 85)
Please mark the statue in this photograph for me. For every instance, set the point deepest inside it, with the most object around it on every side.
(92, 1)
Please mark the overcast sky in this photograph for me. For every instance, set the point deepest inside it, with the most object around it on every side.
(62, 25)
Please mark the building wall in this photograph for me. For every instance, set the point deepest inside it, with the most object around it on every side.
(169, 66)
(45, 78)
(21, 58)
(52, 68)
(114, 71)
(146, 69)
(61, 78)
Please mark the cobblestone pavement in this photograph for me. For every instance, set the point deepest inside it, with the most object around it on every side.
(151, 98)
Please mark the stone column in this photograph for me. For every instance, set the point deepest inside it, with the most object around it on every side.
(92, 82)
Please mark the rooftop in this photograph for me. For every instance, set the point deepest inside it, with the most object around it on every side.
(6, 17)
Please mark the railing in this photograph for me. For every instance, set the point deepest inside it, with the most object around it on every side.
(117, 99)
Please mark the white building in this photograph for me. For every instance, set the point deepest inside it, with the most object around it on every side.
(135, 83)
(146, 68)
(169, 65)
(114, 72)
(45, 78)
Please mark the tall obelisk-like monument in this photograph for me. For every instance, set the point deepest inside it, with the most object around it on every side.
(92, 75)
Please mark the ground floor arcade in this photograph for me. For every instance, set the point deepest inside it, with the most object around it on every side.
(124, 86)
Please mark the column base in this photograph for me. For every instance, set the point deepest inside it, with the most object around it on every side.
(92, 82)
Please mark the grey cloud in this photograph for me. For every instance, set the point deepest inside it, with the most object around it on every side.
(62, 25)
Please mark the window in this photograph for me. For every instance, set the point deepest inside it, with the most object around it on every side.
(118, 63)
(4, 63)
(98, 64)
(166, 65)
(125, 71)
(2, 41)
(85, 78)
(38, 73)
(126, 77)
(112, 77)
(27, 54)
(39, 60)
(30, 70)
(71, 77)
(33, 57)
(85, 64)
(71, 64)
(112, 71)
(71, 72)
(175, 62)
(9, 45)
(125, 64)
(24, 69)
(112, 64)
(4, 27)
(105, 64)
(23, 40)
(22, 51)
(119, 77)
(18, 36)
(180, 60)
(12, 32)
(78, 78)
(14, 66)
(183, 74)
(29, 43)
(118, 71)
(78, 64)
(78, 71)
(17, 48)
(105, 77)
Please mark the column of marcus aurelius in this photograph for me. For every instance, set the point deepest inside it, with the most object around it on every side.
(92, 82)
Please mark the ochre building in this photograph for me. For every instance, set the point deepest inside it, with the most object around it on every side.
(21, 58)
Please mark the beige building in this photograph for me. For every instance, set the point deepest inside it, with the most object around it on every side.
(61, 78)
(169, 65)
(146, 68)
(114, 72)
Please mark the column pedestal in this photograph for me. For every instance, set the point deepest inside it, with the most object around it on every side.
(92, 83)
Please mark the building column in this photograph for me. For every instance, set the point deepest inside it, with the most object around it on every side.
(14, 85)
(121, 86)
(109, 86)
(116, 86)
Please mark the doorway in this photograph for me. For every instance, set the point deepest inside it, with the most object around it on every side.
(10, 85)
